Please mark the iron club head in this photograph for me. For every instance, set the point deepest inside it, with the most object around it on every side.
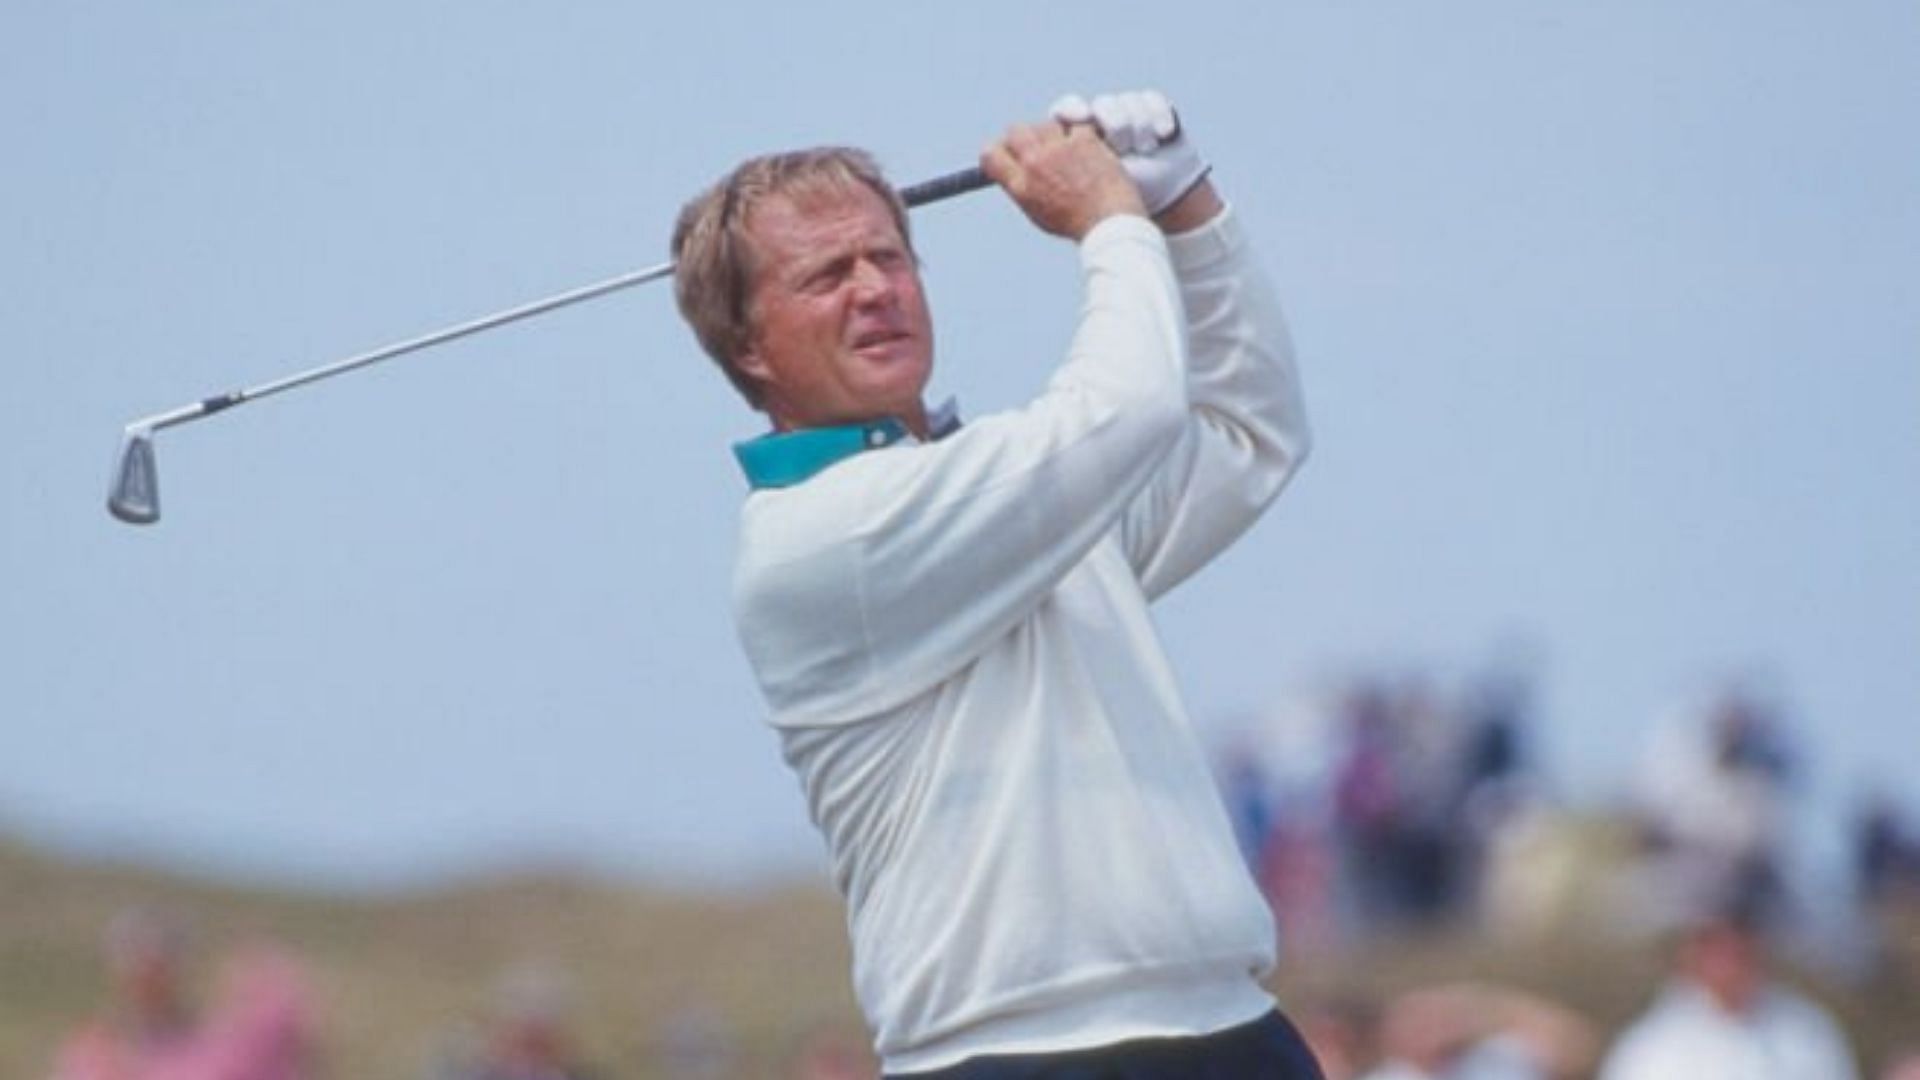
(135, 495)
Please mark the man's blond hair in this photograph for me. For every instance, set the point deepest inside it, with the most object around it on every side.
(713, 254)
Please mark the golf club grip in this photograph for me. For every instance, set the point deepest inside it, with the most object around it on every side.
(944, 187)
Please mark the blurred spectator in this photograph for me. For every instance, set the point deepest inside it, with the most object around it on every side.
(1723, 1017)
(526, 1036)
(695, 1043)
(1713, 808)
(1250, 804)
(1905, 1066)
(833, 1052)
(1274, 778)
(1397, 801)
(1494, 766)
(1475, 1031)
(151, 1029)
(1370, 805)
(1342, 1032)
(1508, 833)
(1886, 856)
(1494, 751)
(1887, 888)
(1428, 868)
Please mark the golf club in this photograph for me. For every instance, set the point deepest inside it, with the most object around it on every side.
(134, 495)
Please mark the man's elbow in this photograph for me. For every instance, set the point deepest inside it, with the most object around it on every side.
(1290, 446)
(1280, 455)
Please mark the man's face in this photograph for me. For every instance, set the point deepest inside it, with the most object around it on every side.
(1728, 963)
(841, 332)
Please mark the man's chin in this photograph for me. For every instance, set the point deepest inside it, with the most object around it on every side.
(895, 371)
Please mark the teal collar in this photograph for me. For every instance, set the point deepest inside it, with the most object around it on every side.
(785, 458)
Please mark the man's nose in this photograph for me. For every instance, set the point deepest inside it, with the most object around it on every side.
(871, 283)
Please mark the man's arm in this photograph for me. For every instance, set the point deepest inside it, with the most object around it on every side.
(882, 575)
(1246, 432)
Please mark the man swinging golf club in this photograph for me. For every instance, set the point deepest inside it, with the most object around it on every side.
(950, 624)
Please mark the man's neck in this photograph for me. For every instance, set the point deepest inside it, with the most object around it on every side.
(915, 419)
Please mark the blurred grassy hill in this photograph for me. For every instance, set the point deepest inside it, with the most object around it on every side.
(395, 976)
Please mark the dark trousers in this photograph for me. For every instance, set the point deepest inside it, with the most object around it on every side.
(1266, 1049)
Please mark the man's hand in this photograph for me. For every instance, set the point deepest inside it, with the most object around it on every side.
(1063, 178)
(1142, 127)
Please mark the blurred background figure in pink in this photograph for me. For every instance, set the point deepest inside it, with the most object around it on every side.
(256, 1028)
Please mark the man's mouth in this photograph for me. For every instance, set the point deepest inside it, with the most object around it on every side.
(878, 338)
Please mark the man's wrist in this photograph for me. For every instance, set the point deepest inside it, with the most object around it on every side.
(1121, 222)
(1123, 202)
(1201, 204)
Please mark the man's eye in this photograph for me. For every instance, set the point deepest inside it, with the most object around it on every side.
(825, 279)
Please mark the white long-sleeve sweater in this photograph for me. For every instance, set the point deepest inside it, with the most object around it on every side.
(955, 644)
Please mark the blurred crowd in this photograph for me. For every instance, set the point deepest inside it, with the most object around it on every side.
(1720, 1012)
(1384, 810)
(1391, 804)
(1392, 807)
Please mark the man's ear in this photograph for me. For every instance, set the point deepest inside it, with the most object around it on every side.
(752, 364)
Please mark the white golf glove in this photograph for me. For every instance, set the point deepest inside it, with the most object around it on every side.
(1143, 129)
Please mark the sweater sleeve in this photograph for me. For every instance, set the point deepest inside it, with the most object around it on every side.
(1246, 429)
(883, 575)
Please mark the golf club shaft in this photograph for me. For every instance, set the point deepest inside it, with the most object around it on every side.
(942, 187)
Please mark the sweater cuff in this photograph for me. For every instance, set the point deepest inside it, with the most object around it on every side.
(1217, 241)
(1114, 231)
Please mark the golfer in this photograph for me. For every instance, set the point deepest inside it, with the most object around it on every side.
(950, 623)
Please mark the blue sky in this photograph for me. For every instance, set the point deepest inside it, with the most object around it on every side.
(1609, 318)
